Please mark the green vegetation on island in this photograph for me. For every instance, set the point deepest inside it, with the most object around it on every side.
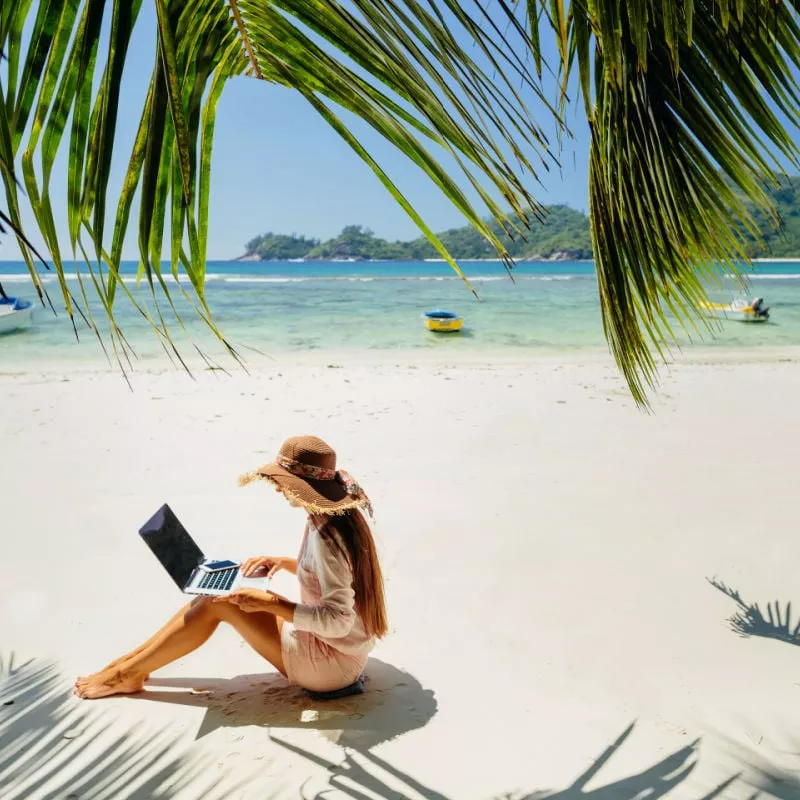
(783, 242)
(280, 246)
(564, 235)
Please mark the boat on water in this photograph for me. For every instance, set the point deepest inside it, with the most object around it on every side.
(441, 321)
(740, 309)
(15, 313)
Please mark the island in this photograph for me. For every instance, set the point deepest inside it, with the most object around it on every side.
(564, 236)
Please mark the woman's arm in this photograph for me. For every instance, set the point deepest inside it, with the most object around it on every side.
(289, 564)
(334, 615)
(254, 600)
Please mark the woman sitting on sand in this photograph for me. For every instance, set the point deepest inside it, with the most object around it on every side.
(320, 643)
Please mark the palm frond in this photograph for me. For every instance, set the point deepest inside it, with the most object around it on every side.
(396, 64)
(681, 133)
(687, 103)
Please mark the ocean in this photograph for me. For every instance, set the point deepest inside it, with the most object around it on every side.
(339, 307)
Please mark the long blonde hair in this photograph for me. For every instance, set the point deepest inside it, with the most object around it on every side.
(351, 535)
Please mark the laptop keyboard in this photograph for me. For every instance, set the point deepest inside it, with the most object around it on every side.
(222, 579)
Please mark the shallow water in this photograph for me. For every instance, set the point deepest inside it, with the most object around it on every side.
(275, 307)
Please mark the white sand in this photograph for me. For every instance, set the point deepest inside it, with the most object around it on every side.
(546, 547)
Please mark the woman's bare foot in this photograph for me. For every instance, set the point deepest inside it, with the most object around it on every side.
(108, 682)
(111, 665)
(117, 664)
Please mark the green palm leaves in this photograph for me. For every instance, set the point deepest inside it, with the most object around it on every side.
(397, 65)
(197, 47)
(686, 99)
(683, 100)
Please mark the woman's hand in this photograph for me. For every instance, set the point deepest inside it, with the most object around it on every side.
(258, 566)
(253, 600)
(250, 600)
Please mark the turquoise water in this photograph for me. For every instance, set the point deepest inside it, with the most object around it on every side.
(275, 307)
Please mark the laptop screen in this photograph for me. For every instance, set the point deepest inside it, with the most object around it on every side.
(171, 545)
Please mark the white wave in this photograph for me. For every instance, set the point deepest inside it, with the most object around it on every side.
(131, 280)
(260, 279)
(522, 276)
(388, 278)
(51, 277)
(768, 276)
(216, 277)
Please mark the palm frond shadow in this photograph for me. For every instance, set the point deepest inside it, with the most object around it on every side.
(653, 782)
(764, 776)
(362, 775)
(749, 620)
(52, 745)
(774, 781)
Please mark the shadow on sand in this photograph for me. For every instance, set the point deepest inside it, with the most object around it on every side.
(44, 731)
(393, 704)
(654, 782)
(750, 621)
(53, 746)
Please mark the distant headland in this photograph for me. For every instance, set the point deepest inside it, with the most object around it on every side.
(563, 237)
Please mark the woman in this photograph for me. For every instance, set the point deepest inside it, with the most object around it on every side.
(320, 643)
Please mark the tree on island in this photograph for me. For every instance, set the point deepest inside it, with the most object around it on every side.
(687, 104)
(279, 246)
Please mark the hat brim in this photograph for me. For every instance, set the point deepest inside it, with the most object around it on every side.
(319, 497)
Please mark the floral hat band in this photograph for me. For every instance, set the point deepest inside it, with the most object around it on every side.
(351, 485)
(292, 470)
(305, 470)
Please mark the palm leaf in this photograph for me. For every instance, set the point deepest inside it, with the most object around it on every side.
(397, 65)
(681, 135)
(686, 101)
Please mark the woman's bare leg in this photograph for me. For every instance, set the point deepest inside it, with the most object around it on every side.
(160, 632)
(185, 632)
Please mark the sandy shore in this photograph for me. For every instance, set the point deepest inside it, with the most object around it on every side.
(547, 548)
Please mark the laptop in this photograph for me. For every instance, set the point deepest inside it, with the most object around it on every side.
(185, 562)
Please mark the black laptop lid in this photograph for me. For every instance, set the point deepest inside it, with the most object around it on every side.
(172, 545)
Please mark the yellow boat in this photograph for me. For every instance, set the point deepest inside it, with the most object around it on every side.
(442, 321)
(740, 309)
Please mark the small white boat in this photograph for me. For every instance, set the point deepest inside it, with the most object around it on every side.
(14, 314)
(741, 309)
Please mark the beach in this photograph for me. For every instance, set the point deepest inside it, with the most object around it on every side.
(548, 549)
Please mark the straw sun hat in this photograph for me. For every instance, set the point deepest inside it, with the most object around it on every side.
(305, 471)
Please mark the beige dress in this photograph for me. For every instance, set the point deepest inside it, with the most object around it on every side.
(327, 646)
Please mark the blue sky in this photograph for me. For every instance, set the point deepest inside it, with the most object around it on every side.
(278, 166)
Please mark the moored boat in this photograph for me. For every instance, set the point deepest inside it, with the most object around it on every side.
(441, 321)
(14, 313)
(741, 309)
